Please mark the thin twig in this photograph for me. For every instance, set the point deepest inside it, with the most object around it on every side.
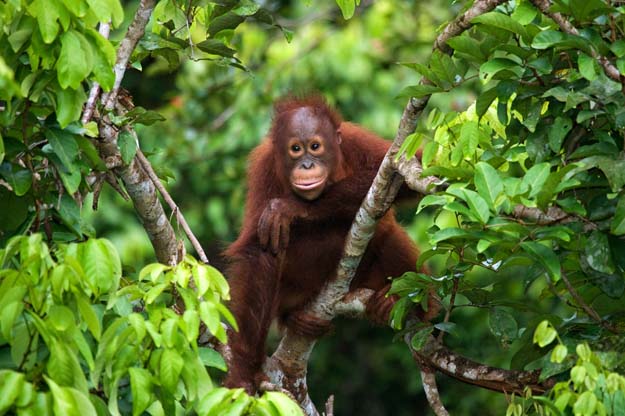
(147, 167)
(127, 46)
(452, 301)
(104, 30)
(587, 308)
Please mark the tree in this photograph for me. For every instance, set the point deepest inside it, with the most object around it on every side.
(525, 186)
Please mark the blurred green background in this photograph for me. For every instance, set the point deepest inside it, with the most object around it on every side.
(216, 114)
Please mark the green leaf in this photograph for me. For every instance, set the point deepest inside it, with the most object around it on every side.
(101, 264)
(617, 227)
(69, 401)
(89, 316)
(559, 353)
(446, 234)
(348, 7)
(588, 66)
(478, 206)
(547, 38)
(545, 256)
(558, 131)
(586, 404)
(493, 66)
(75, 61)
(64, 146)
(170, 367)
(11, 385)
(501, 21)
(69, 105)
(502, 325)
(488, 183)
(544, 334)
(127, 146)
(141, 388)
(107, 10)
(536, 177)
(285, 406)
(418, 91)
(484, 100)
(47, 13)
(216, 47)
(597, 253)
(20, 180)
(61, 317)
(420, 338)
(212, 358)
(103, 59)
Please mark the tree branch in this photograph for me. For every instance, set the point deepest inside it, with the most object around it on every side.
(287, 366)
(104, 30)
(138, 184)
(610, 70)
(428, 378)
(587, 308)
(147, 167)
(127, 46)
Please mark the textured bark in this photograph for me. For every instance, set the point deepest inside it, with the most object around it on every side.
(436, 356)
(138, 184)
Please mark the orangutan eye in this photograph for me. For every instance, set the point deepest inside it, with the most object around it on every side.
(315, 146)
(296, 148)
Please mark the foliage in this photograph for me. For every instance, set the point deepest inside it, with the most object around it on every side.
(78, 337)
(592, 387)
(545, 131)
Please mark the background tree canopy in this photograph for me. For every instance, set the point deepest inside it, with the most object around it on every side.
(523, 121)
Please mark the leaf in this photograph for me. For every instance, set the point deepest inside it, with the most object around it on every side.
(101, 264)
(484, 100)
(418, 91)
(69, 105)
(61, 317)
(493, 66)
(502, 324)
(141, 388)
(545, 256)
(169, 370)
(89, 316)
(47, 13)
(588, 67)
(227, 21)
(544, 334)
(127, 146)
(501, 21)
(11, 385)
(285, 406)
(69, 401)
(64, 146)
(420, 338)
(212, 358)
(107, 10)
(75, 62)
(559, 353)
(536, 177)
(488, 183)
(617, 227)
(446, 234)
(103, 59)
(216, 47)
(19, 180)
(478, 206)
(558, 131)
(348, 7)
(597, 253)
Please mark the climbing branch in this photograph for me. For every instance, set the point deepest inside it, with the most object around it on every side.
(287, 366)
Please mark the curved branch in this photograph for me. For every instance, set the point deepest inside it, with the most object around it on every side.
(428, 378)
(438, 357)
(287, 366)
